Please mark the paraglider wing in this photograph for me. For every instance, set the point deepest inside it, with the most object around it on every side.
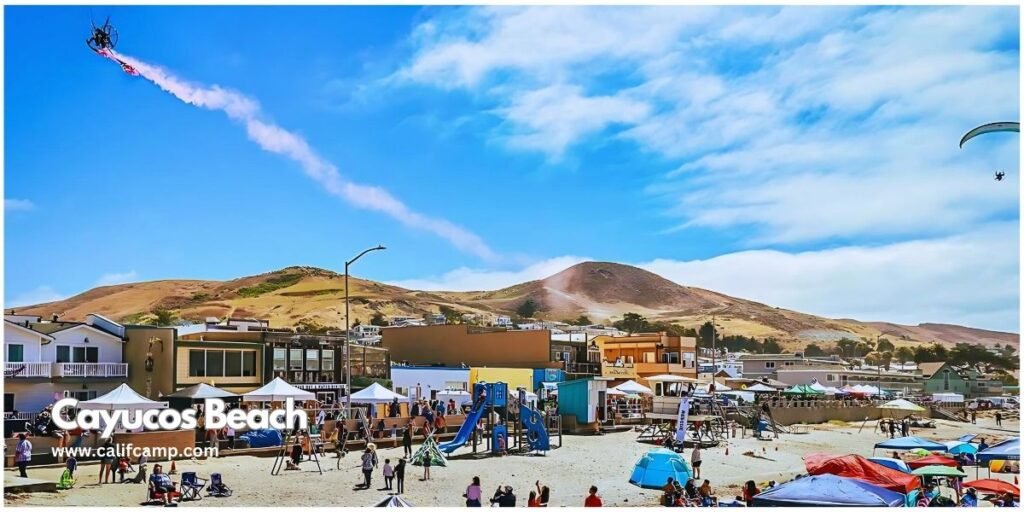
(990, 128)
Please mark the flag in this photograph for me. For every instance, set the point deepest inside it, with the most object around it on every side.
(684, 413)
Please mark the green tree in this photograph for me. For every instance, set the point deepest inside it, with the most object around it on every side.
(885, 345)
(705, 333)
(771, 346)
(582, 320)
(847, 347)
(813, 350)
(631, 323)
(451, 315)
(378, 319)
(527, 309)
(164, 317)
(904, 354)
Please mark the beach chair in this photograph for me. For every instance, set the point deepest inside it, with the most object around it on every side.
(158, 497)
(66, 480)
(191, 486)
(217, 487)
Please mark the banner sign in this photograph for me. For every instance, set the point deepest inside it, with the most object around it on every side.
(684, 413)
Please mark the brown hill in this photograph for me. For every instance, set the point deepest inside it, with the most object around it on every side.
(602, 291)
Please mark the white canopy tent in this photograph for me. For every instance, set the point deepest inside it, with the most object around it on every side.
(377, 394)
(615, 392)
(531, 398)
(761, 388)
(459, 396)
(277, 390)
(122, 397)
(815, 385)
(670, 378)
(632, 386)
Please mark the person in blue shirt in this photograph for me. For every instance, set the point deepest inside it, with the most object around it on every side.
(970, 498)
(160, 482)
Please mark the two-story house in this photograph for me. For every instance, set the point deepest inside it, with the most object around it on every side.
(639, 356)
(942, 377)
(46, 360)
(757, 366)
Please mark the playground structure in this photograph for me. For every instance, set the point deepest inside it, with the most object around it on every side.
(298, 444)
(492, 410)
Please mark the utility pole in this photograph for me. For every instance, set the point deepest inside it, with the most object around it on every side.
(348, 337)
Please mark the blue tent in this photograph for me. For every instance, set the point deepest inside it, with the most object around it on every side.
(655, 467)
(891, 463)
(828, 491)
(911, 442)
(1006, 450)
(958, 447)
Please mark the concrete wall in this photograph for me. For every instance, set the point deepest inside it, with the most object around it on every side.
(792, 415)
(454, 345)
(150, 384)
(514, 377)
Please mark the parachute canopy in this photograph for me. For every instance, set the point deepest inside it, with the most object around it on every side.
(1005, 126)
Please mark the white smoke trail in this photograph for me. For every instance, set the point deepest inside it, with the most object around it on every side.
(275, 139)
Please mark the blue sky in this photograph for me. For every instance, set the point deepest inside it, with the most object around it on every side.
(802, 157)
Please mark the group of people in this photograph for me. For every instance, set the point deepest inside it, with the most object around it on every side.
(394, 476)
(689, 494)
(893, 426)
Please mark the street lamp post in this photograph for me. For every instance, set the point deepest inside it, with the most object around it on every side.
(348, 341)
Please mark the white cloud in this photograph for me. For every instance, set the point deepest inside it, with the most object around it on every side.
(18, 205)
(802, 123)
(117, 278)
(40, 295)
(468, 279)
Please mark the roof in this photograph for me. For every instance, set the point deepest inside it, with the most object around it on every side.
(22, 327)
(929, 369)
(52, 327)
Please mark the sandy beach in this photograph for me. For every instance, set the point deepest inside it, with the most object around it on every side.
(605, 461)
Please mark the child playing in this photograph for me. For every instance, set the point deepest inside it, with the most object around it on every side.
(389, 474)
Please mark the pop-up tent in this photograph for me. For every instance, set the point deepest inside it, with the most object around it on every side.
(828, 491)
(891, 463)
(186, 397)
(993, 486)
(901, 405)
(910, 443)
(377, 394)
(937, 470)
(655, 467)
(393, 501)
(459, 396)
(855, 466)
(277, 390)
(1006, 450)
(632, 387)
(760, 388)
(932, 460)
(122, 398)
(802, 389)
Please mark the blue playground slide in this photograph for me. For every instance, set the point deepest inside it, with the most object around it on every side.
(536, 434)
(466, 430)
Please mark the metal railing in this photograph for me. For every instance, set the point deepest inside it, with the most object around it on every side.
(90, 370)
(27, 370)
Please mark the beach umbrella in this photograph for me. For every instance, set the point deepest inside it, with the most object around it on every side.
(901, 405)
(991, 485)
(937, 470)
(828, 491)
(958, 447)
(1006, 450)
(891, 463)
(393, 501)
(932, 460)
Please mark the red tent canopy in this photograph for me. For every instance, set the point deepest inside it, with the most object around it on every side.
(993, 486)
(855, 466)
(931, 460)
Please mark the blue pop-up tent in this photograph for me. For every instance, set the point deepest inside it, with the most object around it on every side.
(909, 443)
(655, 467)
(1006, 450)
(828, 491)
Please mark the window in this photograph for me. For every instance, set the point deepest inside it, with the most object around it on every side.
(295, 359)
(945, 380)
(454, 384)
(232, 363)
(214, 363)
(280, 358)
(8, 402)
(312, 359)
(249, 363)
(327, 360)
(15, 354)
(63, 354)
(769, 364)
(789, 363)
(649, 357)
(830, 377)
(80, 395)
(325, 397)
(196, 363)
(69, 354)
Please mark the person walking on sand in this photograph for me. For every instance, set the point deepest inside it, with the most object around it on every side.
(23, 454)
(695, 459)
(389, 474)
(593, 500)
(473, 493)
(407, 441)
(367, 467)
(426, 467)
(999, 419)
(400, 476)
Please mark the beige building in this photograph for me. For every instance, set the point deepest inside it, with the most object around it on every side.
(231, 360)
(150, 354)
(639, 356)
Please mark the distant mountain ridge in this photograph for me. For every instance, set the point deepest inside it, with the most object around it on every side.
(603, 291)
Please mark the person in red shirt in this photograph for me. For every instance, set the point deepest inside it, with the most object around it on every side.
(749, 491)
(593, 500)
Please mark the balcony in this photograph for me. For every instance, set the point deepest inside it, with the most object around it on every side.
(621, 371)
(100, 370)
(661, 368)
(27, 370)
(581, 368)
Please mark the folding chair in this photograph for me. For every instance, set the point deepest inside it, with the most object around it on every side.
(217, 487)
(191, 486)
